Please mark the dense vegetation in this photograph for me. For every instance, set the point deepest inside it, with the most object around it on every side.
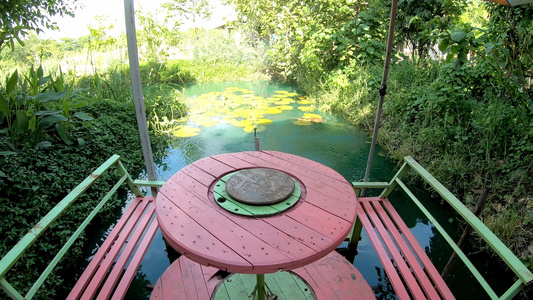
(458, 99)
(459, 95)
(66, 106)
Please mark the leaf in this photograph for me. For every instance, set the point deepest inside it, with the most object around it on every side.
(61, 131)
(4, 106)
(47, 113)
(6, 153)
(443, 45)
(458, 36)
(49, 121)
(463, 57)
(83, 116)
(12, 82)
(22, 121)
(81, 142)
(44, 144)
(47, 97)
(2, 174)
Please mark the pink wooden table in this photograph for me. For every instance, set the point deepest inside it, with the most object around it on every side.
(197, 227)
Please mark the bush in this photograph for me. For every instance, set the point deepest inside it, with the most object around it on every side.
(34, 180)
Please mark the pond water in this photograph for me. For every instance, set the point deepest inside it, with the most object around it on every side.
(223, 118)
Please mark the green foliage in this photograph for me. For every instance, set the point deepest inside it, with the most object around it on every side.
(18, 18)
(419, 22)
(35, 179)
(32, 104)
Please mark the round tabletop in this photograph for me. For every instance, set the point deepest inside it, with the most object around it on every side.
(196, 226)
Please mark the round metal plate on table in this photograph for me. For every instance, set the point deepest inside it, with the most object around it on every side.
(260, 186)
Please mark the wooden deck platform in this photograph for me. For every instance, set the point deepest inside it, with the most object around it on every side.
(332, 277)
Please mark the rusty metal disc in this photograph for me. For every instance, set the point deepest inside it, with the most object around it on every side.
(260, 186)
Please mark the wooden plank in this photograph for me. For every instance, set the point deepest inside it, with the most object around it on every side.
(213, 166)
(299, 160)
(200, 284)
(135, 262)
(412, 260)
(302, 233)
(263, 230)
(187, 274)
(170, 285)
(94, 264)
(306, 173)
(407, 276)
(235, 288)
(288, 286)
(334, 277)
(395, 280)
(113, 252)
(327, 224)
(198, 174)
(130, 244)
(235, 161)
(442, 287)
(195, 235)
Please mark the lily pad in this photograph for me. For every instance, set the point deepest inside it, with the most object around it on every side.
(302, 122)
(306, 108)
(313, 118)
(305, 102)
(273, 111)
(264, 121)
(186, 131)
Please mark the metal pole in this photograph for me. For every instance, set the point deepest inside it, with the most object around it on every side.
(137, 91)
(382, 90)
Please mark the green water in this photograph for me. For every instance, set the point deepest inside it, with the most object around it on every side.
(330, 142)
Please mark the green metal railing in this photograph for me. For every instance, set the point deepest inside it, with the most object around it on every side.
(524, 276)
(16, 252)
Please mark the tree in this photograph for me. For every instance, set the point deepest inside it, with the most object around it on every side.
(19, 17)
(419, 20)
(188, 9)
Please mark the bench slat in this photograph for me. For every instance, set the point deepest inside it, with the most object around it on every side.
(128, 276)
(441, 286)
(412, 260)
(139, 228)
(110, 256)
(85, 278)
(408, 277)
(395, 280)
(98, 268)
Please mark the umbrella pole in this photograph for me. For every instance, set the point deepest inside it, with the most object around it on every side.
(137, 91)
(382, 91)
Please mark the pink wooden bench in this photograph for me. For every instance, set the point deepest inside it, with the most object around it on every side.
(125, 239)
(411, 272)
(332, 277)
